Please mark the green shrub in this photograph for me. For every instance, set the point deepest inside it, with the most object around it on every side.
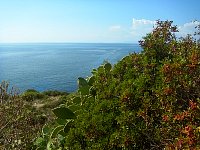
(148, 100)
(54, 93)
(31, 95)
(31, 90)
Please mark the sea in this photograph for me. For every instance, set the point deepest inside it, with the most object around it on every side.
(56, 66)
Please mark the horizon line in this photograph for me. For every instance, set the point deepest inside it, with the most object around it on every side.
(69, 43)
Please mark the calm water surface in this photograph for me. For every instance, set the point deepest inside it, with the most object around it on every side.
(56, 66)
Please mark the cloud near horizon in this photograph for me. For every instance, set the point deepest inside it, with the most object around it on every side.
(141, 27)
(187, 28)
(114, 33)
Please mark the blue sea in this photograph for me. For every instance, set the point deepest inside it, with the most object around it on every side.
(56, 66)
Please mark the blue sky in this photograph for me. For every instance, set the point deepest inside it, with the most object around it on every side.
(90, 20)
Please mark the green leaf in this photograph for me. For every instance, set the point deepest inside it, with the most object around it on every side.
(100, 68)
(74, 108)
(61, 138)
(39, 141)
(49, 145)
(61, 121)
(56, 131)
(67, 127)
(62, 133)
(84, 90)
(82, 82)
(45, 130)
(91, 80)
(64, 113)
(77, 100)
(107, 67)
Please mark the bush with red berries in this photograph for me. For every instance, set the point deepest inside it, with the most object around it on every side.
(148, 100)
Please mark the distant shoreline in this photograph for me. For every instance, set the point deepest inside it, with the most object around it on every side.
(68, 43)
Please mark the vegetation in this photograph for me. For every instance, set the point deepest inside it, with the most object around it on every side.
(148, 100)
(54, 93)
(21, 118)
(20, 123)
(31, 95)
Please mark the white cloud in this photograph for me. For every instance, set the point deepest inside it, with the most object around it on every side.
(115, 28)
(187, 28)
(142, 22)
(141, 27)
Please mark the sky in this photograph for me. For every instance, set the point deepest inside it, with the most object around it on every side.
(91, 21)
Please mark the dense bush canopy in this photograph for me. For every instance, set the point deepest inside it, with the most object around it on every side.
(149, 100)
